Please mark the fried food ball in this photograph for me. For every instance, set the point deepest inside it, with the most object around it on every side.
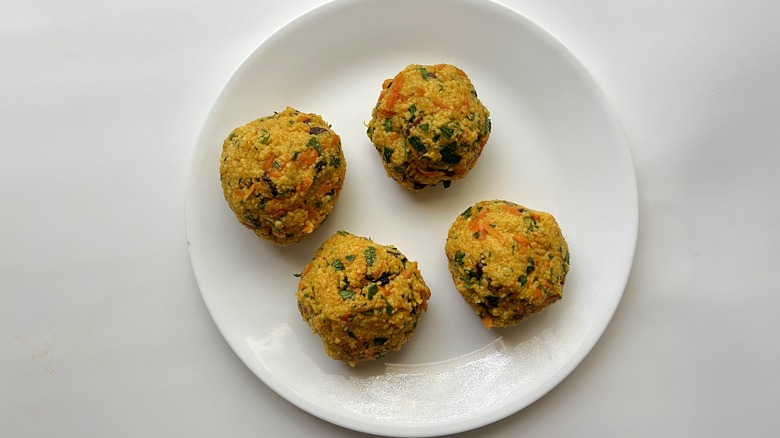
(507, 261)
(428, 125)
(282, 174)
(363, 299)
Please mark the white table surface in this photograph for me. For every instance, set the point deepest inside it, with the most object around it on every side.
(102, 328)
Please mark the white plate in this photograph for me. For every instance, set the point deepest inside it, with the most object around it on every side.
(555, 146)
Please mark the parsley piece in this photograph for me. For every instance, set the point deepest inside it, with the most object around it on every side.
(530, 223)
(313, 143)
(459, 257)
(387, 154)
(448, 154)
(264, 136)
(337, 265)
(370, 254)
(417, 144)
(372, 290)
(347, 294)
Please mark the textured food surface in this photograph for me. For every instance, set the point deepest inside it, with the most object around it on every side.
(363, 299)
(282, 174)
(428, 125)
(507, 261)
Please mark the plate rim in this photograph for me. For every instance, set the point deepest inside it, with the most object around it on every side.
(502, 411)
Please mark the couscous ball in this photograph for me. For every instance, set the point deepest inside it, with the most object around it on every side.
(282, 174)
(507, 261)
(363, 299)
(428, 125)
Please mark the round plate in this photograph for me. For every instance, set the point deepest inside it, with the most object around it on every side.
(555, 146)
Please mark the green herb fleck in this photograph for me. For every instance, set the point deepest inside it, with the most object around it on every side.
(372, 290)
(447, 131)
(389, 309)
(347, 294)
(424, 127)
(264, 136)
(350, 257)
(466, 213)
(523, 279)
(351, 335)
(459, 257)
(531, 266)
(491, 300)
(530, 223)
(476, 235)
(448, 154)
(424, 73)
(387, 154)
(370, 254)
(337, 265)
(417, 144)
(341, 233)
(297, 274)
(368, 312)
(388, 125)
(313, 143)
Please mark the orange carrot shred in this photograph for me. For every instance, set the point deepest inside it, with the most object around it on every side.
(308, 157)
(521, 240)
(249, 192)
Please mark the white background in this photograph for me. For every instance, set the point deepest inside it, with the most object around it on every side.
(103, 331)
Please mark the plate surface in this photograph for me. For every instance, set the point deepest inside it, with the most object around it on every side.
(555, 146)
